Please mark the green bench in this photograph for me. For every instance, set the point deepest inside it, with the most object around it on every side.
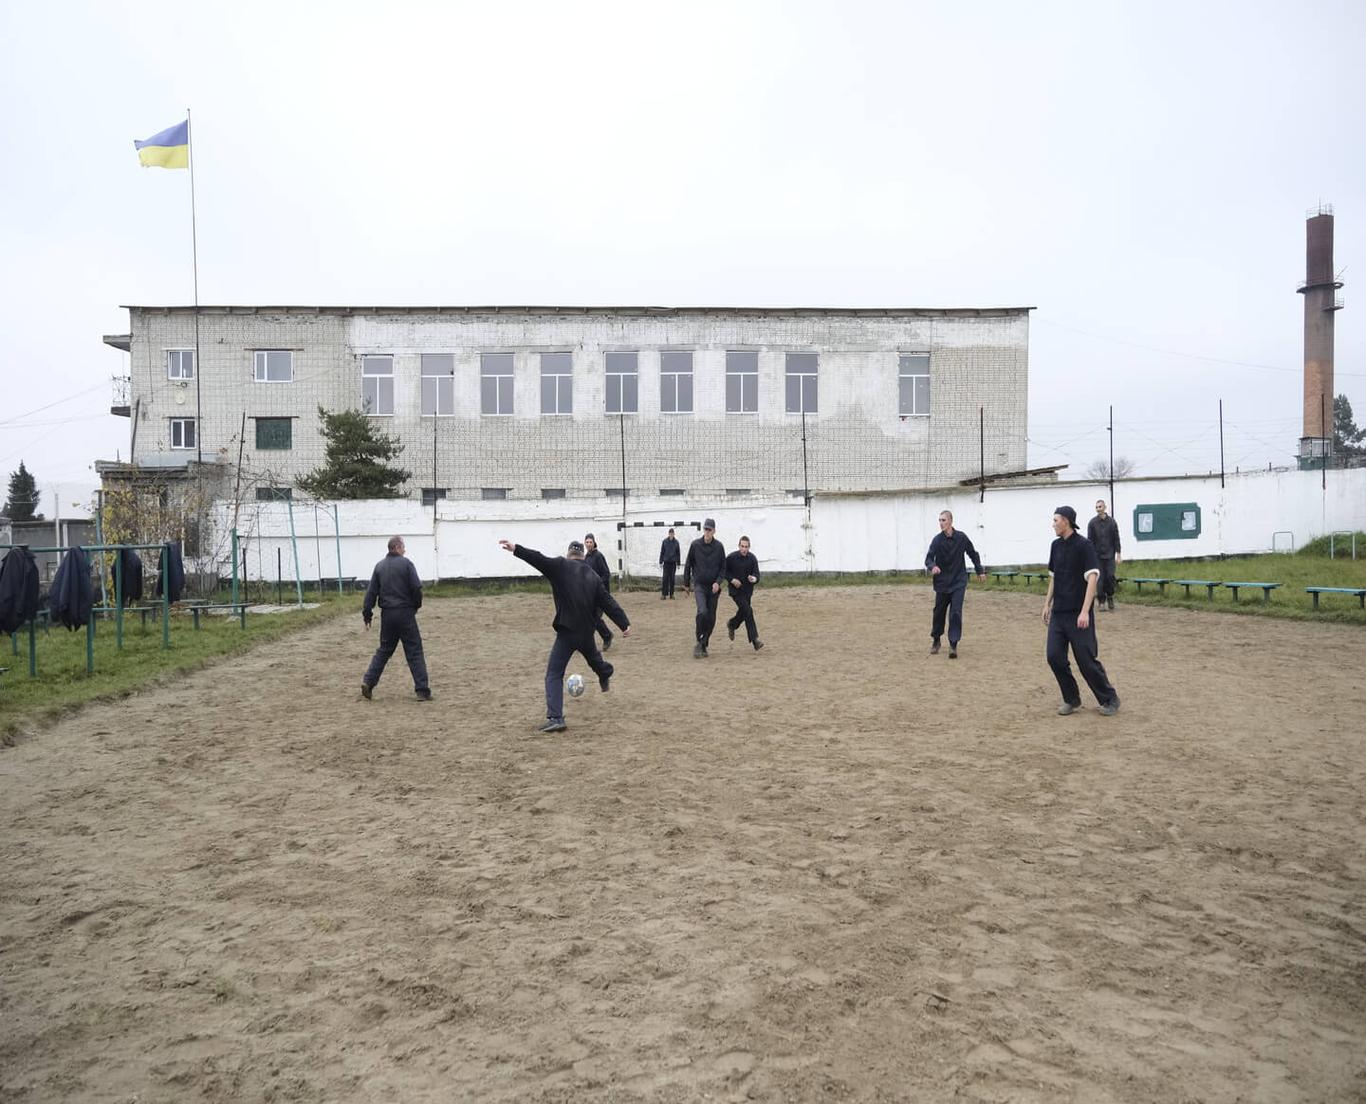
(1160, 583)
(1360, 593)
(239, 609)
(1030, 576)
(1208, 584)
(1003, 575)
(1266, 589)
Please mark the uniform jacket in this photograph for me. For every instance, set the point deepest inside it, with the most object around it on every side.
(741, 565)
(174, 575)
(394, 584)
(580, 594)
(1103, 533)
(669, 552)
(706, 563)
(130, 568)
(598, 562)
(18, 589)
(947, 554)
(72, 595)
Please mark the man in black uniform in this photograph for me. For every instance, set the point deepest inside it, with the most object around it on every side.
(702, 574)
(1103, 533)
(944, 562)
(598, 562)
(394, 583)
(580, 595)
(669, 556)
(742, 571)
(1072, 572)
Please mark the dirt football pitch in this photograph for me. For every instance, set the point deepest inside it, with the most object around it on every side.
(836, 869)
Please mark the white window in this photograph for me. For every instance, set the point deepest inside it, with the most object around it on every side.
(274, 366)
(180, 364)
(914, 385)
(801, 383)
(182, 433)
(742, 382)
(495, 383)
(1188, 523)
(675, 382)
(377, 385)
(557, 383)
(1145, 523)
(438, 383)
(623, 383)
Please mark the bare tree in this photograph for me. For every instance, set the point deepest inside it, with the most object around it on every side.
(1101, 468)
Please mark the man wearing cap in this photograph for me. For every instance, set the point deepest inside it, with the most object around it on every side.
(702, 573)
(579, 597)
(1103, 533)
(598, 562)
(944, 562)
(1073, 569)
(669, 556)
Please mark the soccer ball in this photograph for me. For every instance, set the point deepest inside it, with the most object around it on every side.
(574, 684)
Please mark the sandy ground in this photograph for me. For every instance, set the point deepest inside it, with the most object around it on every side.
(835, 869)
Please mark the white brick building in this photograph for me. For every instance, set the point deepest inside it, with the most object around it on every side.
(548, 402)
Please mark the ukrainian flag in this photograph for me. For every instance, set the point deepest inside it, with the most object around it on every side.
(168, 150)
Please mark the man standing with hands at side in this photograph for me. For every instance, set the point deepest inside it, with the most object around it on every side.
(594, 558)
(1073, 569)
(944, 561)
(669, 558)
(1103, 533)
(702, 574)
(742, 571)
(396, 586)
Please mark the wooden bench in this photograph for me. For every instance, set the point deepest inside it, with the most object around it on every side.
(1360, 593)
(1030, 576)
(1003, 575)
(1266, 589)
(1161, 584)
(1208, 584)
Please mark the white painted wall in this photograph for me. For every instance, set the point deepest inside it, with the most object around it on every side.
(844, 533)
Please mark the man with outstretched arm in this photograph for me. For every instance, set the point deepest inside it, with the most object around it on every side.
(944, 562)
(1073, 569)
(742, 572)
(395, 585)
(579, 598)
(702, 574)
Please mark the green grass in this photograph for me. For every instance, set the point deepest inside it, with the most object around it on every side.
(62, 684)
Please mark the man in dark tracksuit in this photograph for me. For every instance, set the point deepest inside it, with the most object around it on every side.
(944, 562)
(742, 572)
(598, 562)
(702, 574)
(398, 590)
(580, 597)
(1103, 533)
(1072, 572)
(669, 557)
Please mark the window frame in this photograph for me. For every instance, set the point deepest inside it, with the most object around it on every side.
(741, 375)
(379, 378)
(564, 385)
(803, 378)
(440, 392)
(272, 420)
(180, 353)
(621, 377)
(430, 496)
(261, 363)
(903, 377)
(675, 375)
(499, 390)
(182, 424)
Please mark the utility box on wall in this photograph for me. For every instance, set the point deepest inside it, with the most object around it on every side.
(1167, 521)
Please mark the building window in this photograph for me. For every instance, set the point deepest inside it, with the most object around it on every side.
(182, 433)
(438, 383)
(493, 494)
(801, 383)
(552, 492)
(737, 492)
(671, 492)
(274, 494)
(180, 364)
(623, 383)
(914, 384)
(675, 382)
(495, 383)
(742, 382)
(615, 492)
(557, 383)
(274, 366)
(274, 433)
(377, 385)
(431, 494)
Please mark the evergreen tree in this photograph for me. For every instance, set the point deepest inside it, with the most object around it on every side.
(1347, 439)
(356, 462)
(22, 503)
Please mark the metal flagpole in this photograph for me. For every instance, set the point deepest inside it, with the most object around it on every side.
(194, 252)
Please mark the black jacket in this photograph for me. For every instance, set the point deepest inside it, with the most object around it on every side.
(741, 565)
(580, 595)
(1103, 533)
(72, 595)
(395, 584)
(18, 589)
(947, 554)
(706, 563)
(130, 568)
(669, 552)
(598, 562)
(173, 579)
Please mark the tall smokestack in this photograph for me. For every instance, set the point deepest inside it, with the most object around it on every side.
(1321, 300)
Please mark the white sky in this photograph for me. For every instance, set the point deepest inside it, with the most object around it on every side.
(1139, 172)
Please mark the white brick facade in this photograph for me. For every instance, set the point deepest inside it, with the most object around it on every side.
(856, 441)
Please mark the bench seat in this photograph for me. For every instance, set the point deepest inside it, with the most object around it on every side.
(1161, 584)
(1359, 592)
(1208, 584)
(1266, 589)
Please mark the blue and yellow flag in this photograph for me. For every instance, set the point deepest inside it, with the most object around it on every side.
(168, 150)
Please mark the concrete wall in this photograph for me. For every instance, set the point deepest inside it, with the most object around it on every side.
(842, 533)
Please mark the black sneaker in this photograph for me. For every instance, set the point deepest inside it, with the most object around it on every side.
(606, 642)
(365, 689)
(1110, 708)
(758, 644)
(604, 680)
(953, 651)
(698, 651)
(704, 651)
(730, 632)
(553, 726)
(1110, 604)
(934, 648)
(424, 695)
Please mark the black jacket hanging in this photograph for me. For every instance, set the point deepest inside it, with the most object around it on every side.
(173, 578)
(130, 566)
(72, 595)
(18, 589)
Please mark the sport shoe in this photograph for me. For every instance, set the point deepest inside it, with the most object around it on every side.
(553, 726)
(604, 680)
(1109, 709)
(758, 644)
(365, 689)
(424, 695)
(704, 651)
(1109, 603)
(698, 651)
(934, 648)
(1066, 709)
(953, 651)
(606, 642)
(730, 631)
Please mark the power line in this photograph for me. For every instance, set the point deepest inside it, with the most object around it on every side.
(49, 406)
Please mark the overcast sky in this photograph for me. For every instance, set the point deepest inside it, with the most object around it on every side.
(1139, 172)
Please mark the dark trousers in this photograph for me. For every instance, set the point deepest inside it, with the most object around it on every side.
(744, 613)
(560, 654)
(1106, 589)
(397, 625)
(666, 586)
(1063, 631)
(706, 611)
(950, 601)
